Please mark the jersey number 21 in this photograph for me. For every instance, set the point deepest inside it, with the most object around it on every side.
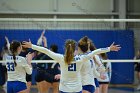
(72, 67)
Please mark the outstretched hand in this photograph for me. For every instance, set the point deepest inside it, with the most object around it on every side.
(27, 44)
(114, 47)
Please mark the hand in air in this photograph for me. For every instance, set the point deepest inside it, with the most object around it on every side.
(27, 44)
(114, 47)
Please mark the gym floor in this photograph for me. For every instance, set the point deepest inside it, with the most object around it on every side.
(111, 90)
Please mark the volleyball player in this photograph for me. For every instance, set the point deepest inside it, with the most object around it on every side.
(70, 65)
(88, 70)
(104, 83)
(17, 67)
(48, 74)
(99, 69)
(5, 52)
(87, 76)
(24, 53)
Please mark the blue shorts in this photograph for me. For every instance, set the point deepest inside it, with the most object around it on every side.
(70, 92)
(96, 82)
(89, 88)
(15, 86)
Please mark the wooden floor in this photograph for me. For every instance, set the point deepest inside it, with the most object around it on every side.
(111, 90)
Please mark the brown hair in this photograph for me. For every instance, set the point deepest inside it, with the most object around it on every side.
(13, 48)
(69, 50)
(83, 44)
(104, 56)
(92, 46)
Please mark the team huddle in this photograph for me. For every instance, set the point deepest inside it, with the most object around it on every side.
(78, 70)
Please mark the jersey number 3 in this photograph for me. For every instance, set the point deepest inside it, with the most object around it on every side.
(72, 67)
(10, 67)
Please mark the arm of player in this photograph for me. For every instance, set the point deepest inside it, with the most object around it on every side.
(53, 55)
(90, 55)
(99, 51)
(44, 39)
(96, 73)
(98, 61)
(27, 67)
(7, 41)
(39, 41)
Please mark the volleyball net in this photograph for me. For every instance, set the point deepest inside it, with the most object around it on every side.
(107, 27)
(104, 61)
(102, 31)
(57, 23)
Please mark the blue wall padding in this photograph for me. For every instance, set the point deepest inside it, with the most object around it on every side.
(122, 73)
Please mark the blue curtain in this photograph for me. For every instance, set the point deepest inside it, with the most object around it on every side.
(122, 73)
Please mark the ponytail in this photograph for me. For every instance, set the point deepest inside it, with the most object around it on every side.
(14, 57)
(13, 48)
(69, 51)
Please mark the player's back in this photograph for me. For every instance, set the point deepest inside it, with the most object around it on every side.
(70, 76)
(87, 73)
(18, 72)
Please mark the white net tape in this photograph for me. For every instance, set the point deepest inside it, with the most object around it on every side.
(112, 61)
(68, 20)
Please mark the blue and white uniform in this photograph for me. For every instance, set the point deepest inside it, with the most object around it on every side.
(17, 74)
(97, 69)
(107, 74)
(70, 74)
(87, 75)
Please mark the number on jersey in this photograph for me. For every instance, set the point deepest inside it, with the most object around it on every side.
(10, 66)
(72, 67)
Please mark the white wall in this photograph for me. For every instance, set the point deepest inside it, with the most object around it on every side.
(134, 5)
(43, 6)
(26, 6)
(78, 5)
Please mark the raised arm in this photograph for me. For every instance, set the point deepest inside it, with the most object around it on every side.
(99, 51)
(53, 55)
(39, 41)
(7, 41)
(44, 39)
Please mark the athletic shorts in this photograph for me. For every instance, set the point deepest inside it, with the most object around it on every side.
(44, 75)
(28, 78)
(69, 92)
(137, 68)
(96, 82)
(15, 86)
(103, 82)
(89, 88)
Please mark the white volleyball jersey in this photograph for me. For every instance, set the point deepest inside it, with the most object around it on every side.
(95, 71)
(70, 74)
(87, 73)
(107, 73)
(17, 73)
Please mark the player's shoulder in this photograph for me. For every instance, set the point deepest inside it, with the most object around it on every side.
(96, 56)
(21, 59)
